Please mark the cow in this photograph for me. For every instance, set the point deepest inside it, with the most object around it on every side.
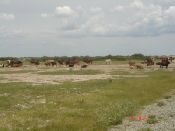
(50, 63)
(87, 60)
(139, 66)
(108, 61)
(131, 64)
(84, 66)
(164, 62)
(72, 62)
(14, 63)
(150, 61)
(35, 62)
(61, 62)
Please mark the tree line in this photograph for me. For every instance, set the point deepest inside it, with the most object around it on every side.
(136, 56)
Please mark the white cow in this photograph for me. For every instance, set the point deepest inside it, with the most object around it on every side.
(108, 61)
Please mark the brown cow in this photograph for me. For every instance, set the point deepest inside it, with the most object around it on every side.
(61, 62)
(150, 61)
(72, 62)
(50, 63)
(35, 62)
(164, 62)
(84, 66)
(138, 66)
(87, 60)
(14, 63)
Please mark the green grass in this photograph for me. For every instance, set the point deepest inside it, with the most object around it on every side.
(135, 72)
(114, 62)
(72, 72)
(16, 72)
(152, 119)
(84, 106)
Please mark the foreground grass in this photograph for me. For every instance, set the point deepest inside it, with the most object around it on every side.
(84, 106)
(72, 72)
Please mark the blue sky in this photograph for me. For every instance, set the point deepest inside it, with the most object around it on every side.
(81, 27)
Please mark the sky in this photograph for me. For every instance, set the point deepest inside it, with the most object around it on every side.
(86, 27)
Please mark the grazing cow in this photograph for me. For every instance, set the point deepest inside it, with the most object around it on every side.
(87, 60)
(138, 66)
(72, 62)
(35, 62)
(14, 63)
(61, 62)
(131, 64)
(150, 61)
(50, 63)
(84, 66)
(108, 61)
(164, 62)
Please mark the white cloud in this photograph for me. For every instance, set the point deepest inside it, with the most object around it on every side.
(65, 11)
(171, 10)
(5, 16)
(138, 18)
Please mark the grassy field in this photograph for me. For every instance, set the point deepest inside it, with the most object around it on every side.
(84, 106)
(16, 72)
(72, 72)
(115, 62)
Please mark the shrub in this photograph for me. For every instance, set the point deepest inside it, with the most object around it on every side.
(152, 119)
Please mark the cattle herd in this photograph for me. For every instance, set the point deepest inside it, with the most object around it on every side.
(49, 63)
(163, 62)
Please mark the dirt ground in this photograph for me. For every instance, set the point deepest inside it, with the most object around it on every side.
(28, 73)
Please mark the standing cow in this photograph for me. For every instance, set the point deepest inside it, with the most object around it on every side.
(50, 63)
(150, 61)
(164, 62)
(14, 63)
(108, 61)
(34, 62)
(72, 62)
(87, 60)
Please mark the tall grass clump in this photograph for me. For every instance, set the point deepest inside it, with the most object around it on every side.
(113, 113)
